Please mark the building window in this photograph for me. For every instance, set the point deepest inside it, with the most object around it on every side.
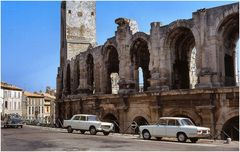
(15, 105)
(69, 11)
(6, 104)
(9, 94)
(5, 94)
(92, 13)
(29, 110)
(19, 105)
(15, 94)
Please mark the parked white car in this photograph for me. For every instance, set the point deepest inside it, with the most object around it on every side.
(181, 128)
(84, 122)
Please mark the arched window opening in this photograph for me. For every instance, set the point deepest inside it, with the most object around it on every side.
(193, 69)
(140, 58)
(76, 76)
(229, 37)
(111, 118)
(181, 43)
(68, 80)
(231, 129)
(140, 81)
(139, 121)
(90, 73)
(112, 65)
(114, 83)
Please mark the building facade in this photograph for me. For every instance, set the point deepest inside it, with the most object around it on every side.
(188, 62)
(49, 109)
(11, 99)
(34, 107)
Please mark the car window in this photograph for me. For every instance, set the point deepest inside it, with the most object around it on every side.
(76, 118)
(187, 122)
(162, 122)
(83, 118)
(92, 118)
(171, 122)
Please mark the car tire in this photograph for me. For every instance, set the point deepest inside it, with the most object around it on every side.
(146, 135)
(181, 137)
(158, 138)
(93, 131)
(69, 129)
(82, 131)
(193, 140)
(106, 133)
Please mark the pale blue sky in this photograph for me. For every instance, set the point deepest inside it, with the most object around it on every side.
(30, 38)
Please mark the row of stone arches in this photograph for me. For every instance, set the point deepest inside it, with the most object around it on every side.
(230, 128)
(185, 58)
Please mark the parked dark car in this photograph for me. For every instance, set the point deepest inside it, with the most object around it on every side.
(12, 120)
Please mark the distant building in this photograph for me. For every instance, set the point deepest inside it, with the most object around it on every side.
(49, 108)
(34, 106)
(11, 99)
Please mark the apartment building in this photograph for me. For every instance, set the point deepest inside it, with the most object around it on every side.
(11, 99)
(34, 106)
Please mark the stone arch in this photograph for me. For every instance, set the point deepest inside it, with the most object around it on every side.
(110, 42)
(111, 62)
(140, 120)
(76, 75)
(231, 128)
(110, 117)
(222, 16)
(140, 58)
(90, 73)
(139, 35)
(227, 36)
(180, 41)
(184, 113)
(68, 80)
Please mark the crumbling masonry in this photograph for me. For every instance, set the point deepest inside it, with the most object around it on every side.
(187, 66)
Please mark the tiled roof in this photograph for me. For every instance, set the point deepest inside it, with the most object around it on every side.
(30, 94)
(5, 85)
(48, 96)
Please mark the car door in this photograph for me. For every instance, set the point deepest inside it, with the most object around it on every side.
(172, 127)
(159, 130)
(75, 122)
(83, 123)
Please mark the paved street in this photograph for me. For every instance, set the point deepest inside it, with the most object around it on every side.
(32, 138)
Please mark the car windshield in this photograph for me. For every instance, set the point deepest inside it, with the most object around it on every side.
(92, 118)
(187, 122)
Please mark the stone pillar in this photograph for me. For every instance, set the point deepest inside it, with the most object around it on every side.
(157, 66)
(123, 38)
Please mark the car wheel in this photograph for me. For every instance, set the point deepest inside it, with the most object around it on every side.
(181, 137)
(82, 131)
(146, 135)
(193, 140)
(106, 133)
(93, 131)
(158, 138)
(69, 129)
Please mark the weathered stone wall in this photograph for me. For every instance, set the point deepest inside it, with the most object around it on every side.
(84, 83)
(207, 107)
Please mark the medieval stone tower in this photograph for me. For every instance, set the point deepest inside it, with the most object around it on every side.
(78, 28)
